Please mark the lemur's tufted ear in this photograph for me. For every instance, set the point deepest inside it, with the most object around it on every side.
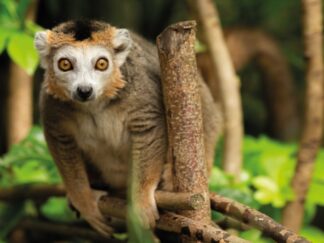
(122, 43)
(42, 46)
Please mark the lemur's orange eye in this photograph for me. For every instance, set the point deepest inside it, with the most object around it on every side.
(64, 64)
(101, 64)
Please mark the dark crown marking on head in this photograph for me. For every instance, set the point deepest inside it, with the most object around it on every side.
(81, 29)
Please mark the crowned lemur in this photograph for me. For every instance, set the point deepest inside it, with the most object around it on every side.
(103, 116)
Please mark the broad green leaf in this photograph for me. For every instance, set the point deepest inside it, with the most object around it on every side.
(313, 234)
(5, 34)
(22, 51)
(267, 191)
(29, 161)
(32, 27)
(57, 209)
(254, 236)
(315, 194)
(22, 9)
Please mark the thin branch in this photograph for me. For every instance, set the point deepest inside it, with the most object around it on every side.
(63, 229)
(171, 222)
(31, 191)
(293, 213)
(254, 218)
(165, 200)
(195, 230)
(228, 83)
(116, 207)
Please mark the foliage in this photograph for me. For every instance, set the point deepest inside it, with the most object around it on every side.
(265, 181)
(264, 184)
(16, 34)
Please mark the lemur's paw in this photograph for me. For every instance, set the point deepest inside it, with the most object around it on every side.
(89, 209)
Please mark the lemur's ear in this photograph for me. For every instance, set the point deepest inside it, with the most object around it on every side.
(42, 46)
(122, 43)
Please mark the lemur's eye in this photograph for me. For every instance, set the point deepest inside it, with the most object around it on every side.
(64, 64)
(101, 64)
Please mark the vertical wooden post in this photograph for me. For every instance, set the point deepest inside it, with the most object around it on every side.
(183, 110)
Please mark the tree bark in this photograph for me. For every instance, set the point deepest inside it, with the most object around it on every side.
(20, 104)
(20, 98)
(254, 218)
(312, 133)
(228, 84)
(183, 112)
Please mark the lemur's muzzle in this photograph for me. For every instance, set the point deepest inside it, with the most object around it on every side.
(84, 92)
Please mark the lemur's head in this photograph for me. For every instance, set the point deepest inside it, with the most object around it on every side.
(82, 59)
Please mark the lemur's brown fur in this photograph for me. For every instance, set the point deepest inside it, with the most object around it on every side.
(126, 127)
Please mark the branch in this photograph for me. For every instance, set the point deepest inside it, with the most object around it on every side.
(195, 230)
(228, 83)
(166, 200)
(184, 113)
(32, 191)
(254, 218)
(115, 207)
(63, 229)
(293, 213)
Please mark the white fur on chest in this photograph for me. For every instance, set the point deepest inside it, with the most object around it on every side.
(103, 136)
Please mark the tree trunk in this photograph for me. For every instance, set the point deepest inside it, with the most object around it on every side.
(20, 98)
(19, 104)
(184, 117)
(312, 133)
(248, 45)
(228, 84)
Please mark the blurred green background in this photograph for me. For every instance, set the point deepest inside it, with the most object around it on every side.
(268, 163)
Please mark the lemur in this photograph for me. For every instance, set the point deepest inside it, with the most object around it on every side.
(103, 116)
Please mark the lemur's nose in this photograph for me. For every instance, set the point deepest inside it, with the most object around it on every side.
(84, 92)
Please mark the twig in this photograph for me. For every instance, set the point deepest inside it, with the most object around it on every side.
(202, 232)
(293, 213)
(254, 218)
(165, 200)
(179, 200)
(31, 191)
(63, 229)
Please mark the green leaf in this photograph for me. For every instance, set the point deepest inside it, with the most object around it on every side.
(32, 28)
(5, 34)
(22, 51)
(313, 234)
(267, 191)
(315, 194)
(22, 9)
(57, 209)
(28, 162)
(254, 236)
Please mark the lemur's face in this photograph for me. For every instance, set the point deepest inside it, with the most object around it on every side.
(83, 71)
(83, 59)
